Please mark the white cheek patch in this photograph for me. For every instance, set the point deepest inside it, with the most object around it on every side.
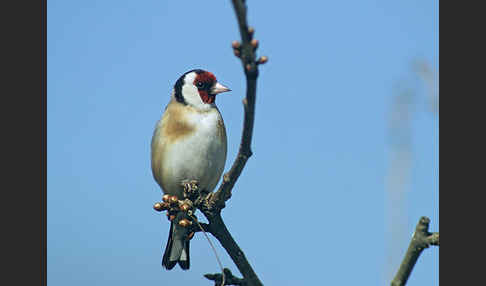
(191, 94)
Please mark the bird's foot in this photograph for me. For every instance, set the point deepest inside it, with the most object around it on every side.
(191, 189)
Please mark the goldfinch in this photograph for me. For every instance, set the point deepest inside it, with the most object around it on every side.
(189, 143)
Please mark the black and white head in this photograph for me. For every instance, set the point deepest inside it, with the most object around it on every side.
(198, 88)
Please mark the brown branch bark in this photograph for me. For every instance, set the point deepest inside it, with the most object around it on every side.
(421, 240)
(230, 279)
(211, 204)
(250, 67)
(218, 229)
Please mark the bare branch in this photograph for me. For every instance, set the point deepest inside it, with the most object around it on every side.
(246, 52)
(218, 229)
(195, 227)
(421, 240)
(230, 279)
(433, 239)
(211, 204)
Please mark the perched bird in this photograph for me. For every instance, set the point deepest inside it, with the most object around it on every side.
(189, 143)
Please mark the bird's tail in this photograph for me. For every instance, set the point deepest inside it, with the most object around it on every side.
(177, 249)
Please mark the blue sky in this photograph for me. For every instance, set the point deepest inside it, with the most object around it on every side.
(321, 144)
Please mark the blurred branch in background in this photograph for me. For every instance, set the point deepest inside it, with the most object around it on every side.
(398, 180)
(430, 77)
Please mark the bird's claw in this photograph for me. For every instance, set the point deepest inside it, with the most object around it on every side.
(191, 189)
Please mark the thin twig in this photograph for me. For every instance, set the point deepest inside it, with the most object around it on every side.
(250, 67)
(211, 204)
(421, 240)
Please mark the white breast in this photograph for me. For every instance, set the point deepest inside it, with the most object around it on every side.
(199, 156)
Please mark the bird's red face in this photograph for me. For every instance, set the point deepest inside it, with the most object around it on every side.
(205, 82)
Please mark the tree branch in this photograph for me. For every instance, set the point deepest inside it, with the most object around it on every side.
(229, 278)
(218, 229)
(421, 240)
(211, 204)
(195, 227)
(246, 52)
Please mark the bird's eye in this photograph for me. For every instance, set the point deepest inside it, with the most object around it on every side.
(200, 84)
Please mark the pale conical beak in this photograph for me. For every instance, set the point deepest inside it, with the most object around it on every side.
(219, 88)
